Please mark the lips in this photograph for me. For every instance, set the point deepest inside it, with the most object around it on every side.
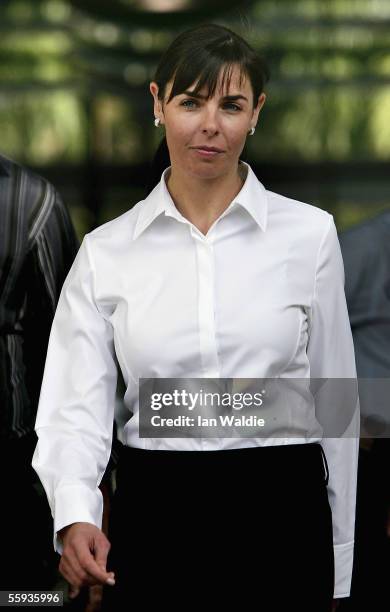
(207, 154)
(205, 148)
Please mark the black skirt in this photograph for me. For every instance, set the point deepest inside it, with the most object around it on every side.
(244, 527)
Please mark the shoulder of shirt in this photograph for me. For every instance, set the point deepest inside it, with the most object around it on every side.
(306, 214)
(374, 229)
(30, 193)
(11, 167)
(368, 241)
(123, 224)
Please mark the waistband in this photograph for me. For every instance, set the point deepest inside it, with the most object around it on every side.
(285, 454)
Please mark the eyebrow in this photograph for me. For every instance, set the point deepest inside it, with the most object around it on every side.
(235, 97)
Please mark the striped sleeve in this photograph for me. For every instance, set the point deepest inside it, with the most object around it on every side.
(52, 248)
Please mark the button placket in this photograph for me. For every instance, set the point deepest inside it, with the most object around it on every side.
(206, 299)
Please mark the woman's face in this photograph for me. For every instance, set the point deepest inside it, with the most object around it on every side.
(218, 122)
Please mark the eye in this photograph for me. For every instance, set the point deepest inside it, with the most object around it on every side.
(236, 107)
(185, 105)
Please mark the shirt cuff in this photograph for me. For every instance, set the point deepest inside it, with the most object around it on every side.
(343, 563)
(76, 503)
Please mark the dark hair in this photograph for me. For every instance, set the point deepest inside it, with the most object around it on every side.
(200, 53)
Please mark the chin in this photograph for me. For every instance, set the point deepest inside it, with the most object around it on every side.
(207, 173)
(206, 169)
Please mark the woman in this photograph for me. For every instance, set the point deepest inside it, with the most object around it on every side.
(211, 276)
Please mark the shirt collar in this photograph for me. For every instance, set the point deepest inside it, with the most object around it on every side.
(252, 196)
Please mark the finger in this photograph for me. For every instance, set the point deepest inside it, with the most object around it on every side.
(89, 564)
(73, 592)
(74, 573)
(74, 561)
(84, 565)
(97, 573)
(67, 571)
(101, 552)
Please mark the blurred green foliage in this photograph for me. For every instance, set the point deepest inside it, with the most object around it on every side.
(74, 83)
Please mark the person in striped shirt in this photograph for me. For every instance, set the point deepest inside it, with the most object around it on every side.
(38, 244)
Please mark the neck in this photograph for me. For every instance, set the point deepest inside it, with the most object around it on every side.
(203, 201)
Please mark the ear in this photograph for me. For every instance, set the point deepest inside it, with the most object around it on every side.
(157, 107)
(258, 107)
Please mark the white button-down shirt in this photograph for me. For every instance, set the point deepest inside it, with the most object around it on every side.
(260, 295)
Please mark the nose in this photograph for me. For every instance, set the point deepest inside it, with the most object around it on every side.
(209, 120)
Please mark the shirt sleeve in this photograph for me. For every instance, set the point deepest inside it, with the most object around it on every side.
(75, 415)
(331, 355)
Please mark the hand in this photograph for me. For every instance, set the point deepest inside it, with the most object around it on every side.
(84, 557)
(335, 605)
(95, 598)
